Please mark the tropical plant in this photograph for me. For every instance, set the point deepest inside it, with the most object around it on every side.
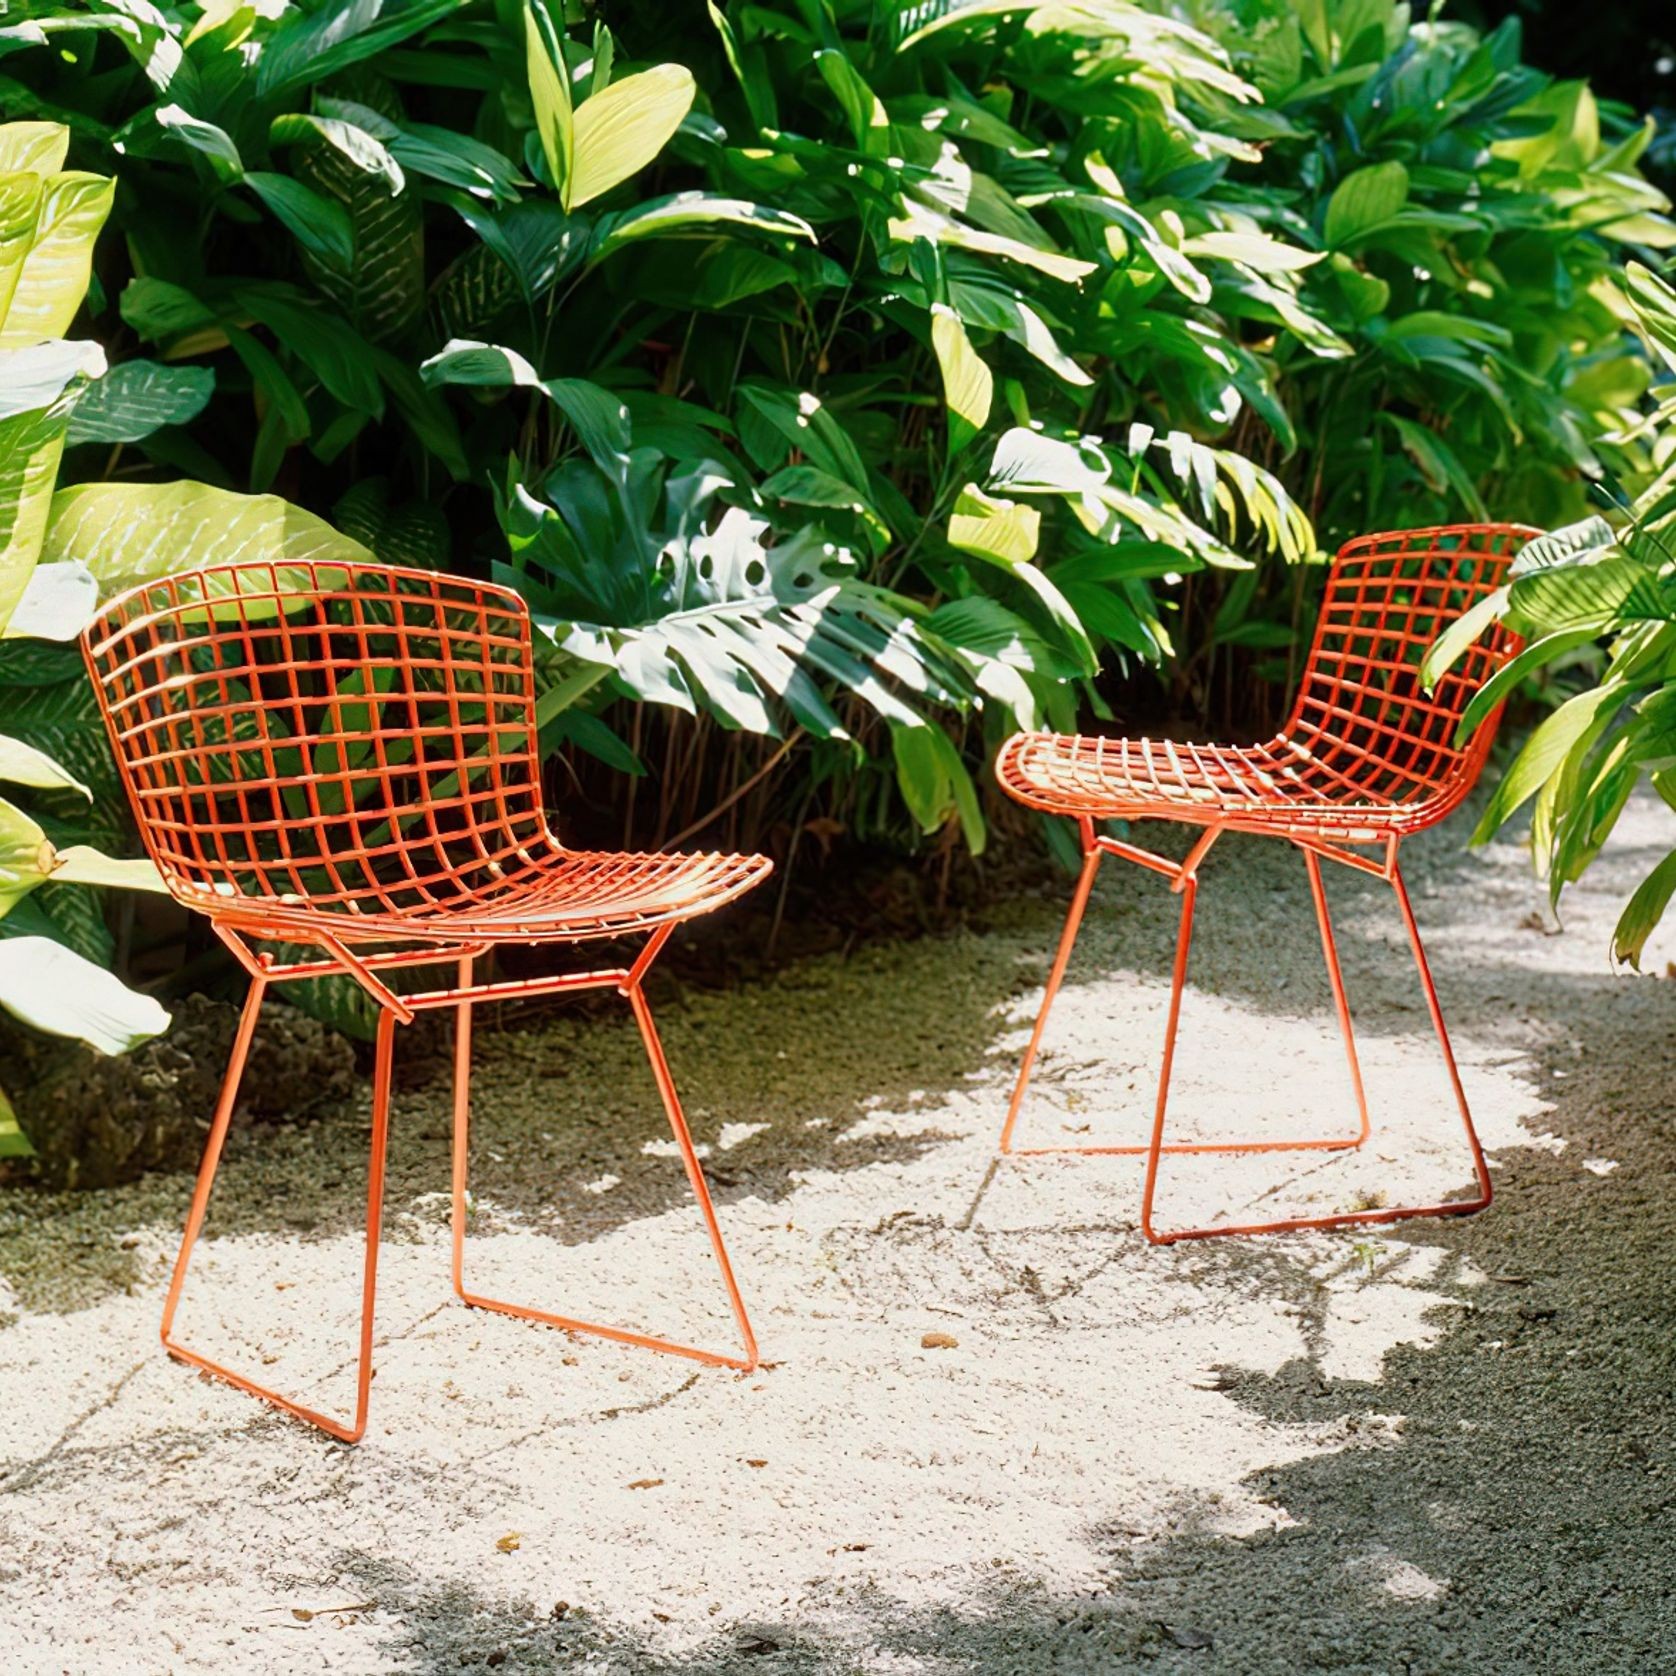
(49, 218)
(1472, 216)
(1570, 589)
(781, 363)
(59, 549)
(1036, 315)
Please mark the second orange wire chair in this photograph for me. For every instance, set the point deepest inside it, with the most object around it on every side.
(1366, 758)
(345, 757)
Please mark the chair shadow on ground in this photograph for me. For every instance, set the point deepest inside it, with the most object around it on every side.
(1519, 1519)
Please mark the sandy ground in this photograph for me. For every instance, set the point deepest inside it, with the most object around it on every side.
(1443, 1447)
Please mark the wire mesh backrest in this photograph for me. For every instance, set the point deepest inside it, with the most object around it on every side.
(357, 737)
(1361, 711)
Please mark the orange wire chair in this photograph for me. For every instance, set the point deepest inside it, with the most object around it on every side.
(1366, 757)
(345, 757)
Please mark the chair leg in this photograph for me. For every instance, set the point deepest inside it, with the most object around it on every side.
(1188, 889)
(350, 1433)
(1067, 941)
(1344, 1219)
(695, 1177)
(1329, 951)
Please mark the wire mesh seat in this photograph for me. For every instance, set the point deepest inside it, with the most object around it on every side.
(1367, 756)
(347, 758)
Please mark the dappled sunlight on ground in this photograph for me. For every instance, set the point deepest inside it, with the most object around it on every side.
(995, 1430)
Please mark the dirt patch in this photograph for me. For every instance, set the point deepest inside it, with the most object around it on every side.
(97, 1121)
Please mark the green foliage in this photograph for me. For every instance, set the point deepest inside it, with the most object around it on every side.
(1054, 333)
(49, 218)
(1470, 217)
(1569, 589)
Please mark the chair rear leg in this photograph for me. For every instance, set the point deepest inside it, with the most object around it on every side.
(1067, 941)
(1329, 950)
(353, 1430)
(1187, 889)
(695, 1178)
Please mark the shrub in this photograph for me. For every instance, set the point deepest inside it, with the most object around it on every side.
(1474, 214)
(1571, 589)
(858, 375)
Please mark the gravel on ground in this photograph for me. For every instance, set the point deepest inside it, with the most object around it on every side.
(994, 1430)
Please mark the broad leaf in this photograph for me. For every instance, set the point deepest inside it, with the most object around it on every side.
(47, 285)
(1364, 200)
(618, 132)
(50, 377)
(23, 765)
(127, 533)
(136, 398)
(53, 989)
(968, 387)
(310, 46)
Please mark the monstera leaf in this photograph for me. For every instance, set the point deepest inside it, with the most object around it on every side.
(645, 571)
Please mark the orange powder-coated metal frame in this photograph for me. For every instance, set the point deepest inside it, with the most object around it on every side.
(1365, 758)
(343, 760)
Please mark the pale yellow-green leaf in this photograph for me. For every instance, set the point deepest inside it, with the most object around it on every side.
(968, 387)
(36, 148)
(56, 267)
(26, 858)
(31, 443)
(13, 1142)
(1252, 250)
(55, 989)
(550, 95)
(81, 864)
(920, 221)
(22, 765)
(619, 131)
(20, 204)
(1002, 531)
(127, 533)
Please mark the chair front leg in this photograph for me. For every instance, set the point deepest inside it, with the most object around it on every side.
(353, 1430)
(631, 988)
(1480, 1168)
(1067, 941)
(1329, 952)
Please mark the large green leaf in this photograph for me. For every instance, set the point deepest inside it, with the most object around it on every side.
(50, 987)
(1644, 910)
(136, 398)
(127, 533)
(693, 215)
(320, 226)
(1364, 200)
(549, 84)
(47, 285)
(1543, 753)
(377, 278)
(359, 148)
(309, 46)
(23, 765)
(26, 857)
(968, 386)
